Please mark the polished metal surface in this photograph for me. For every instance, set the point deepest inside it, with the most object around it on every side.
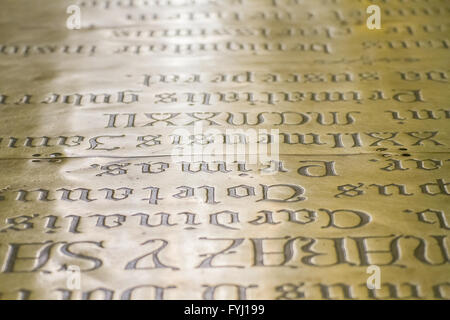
(227, 149)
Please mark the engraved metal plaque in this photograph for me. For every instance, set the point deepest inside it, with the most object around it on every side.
(232, 149)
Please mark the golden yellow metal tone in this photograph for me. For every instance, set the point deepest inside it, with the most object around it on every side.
(224, 149)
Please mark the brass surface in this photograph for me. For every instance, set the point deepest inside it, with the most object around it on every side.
(90, 119)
